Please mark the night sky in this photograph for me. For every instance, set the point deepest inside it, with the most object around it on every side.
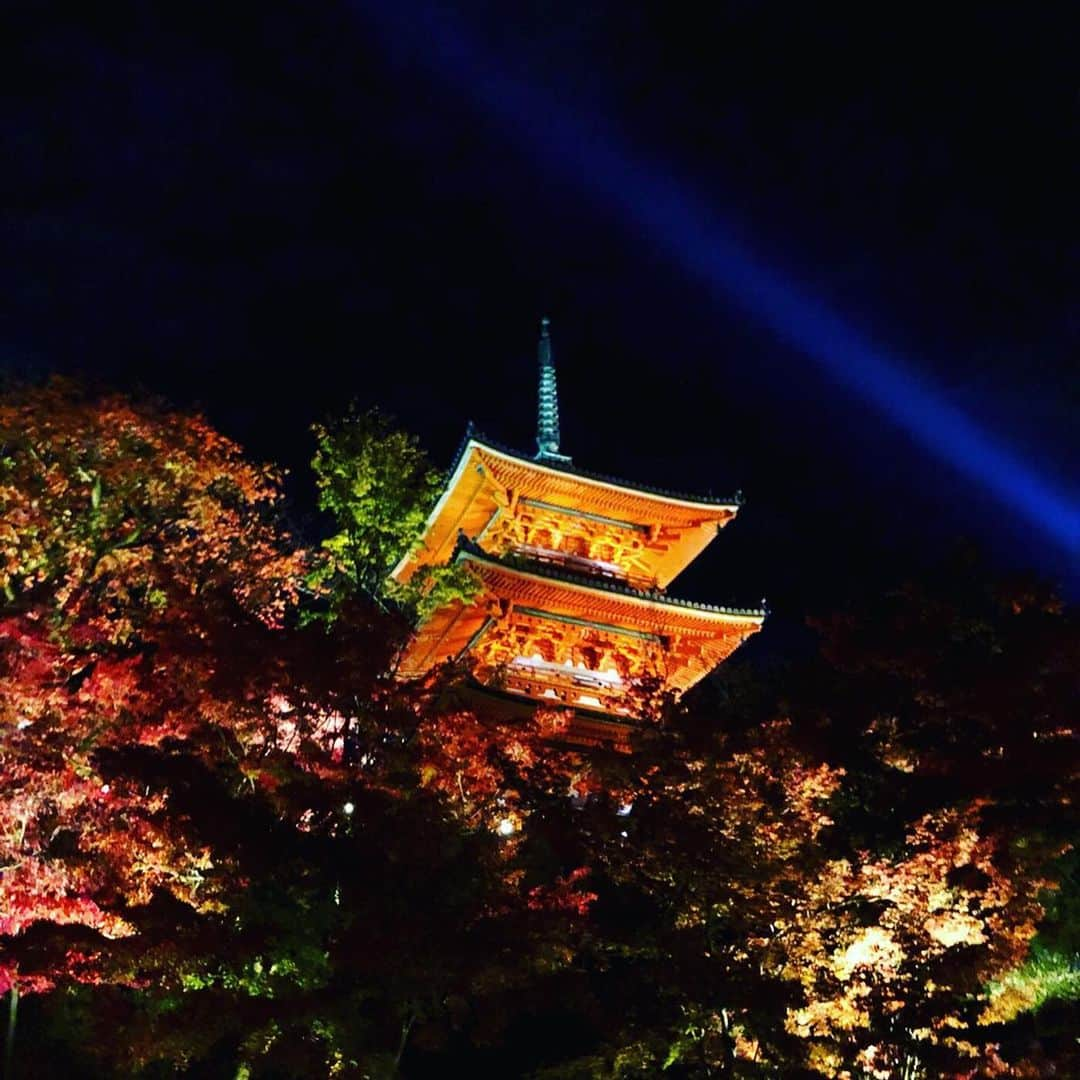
(267, 211)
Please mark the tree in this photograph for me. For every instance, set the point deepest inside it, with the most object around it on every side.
(134, 542)
(379, 486)
(840, 868)
(971, 682)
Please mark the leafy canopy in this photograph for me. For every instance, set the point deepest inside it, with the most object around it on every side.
(379, 485)
(138, 548)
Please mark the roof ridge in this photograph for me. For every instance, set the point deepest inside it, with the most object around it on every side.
(473, 434)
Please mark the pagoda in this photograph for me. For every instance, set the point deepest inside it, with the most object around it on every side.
(573, 613)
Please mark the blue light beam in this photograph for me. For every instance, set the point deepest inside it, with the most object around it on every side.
(679, 223)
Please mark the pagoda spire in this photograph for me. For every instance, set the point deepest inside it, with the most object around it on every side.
(547, 414)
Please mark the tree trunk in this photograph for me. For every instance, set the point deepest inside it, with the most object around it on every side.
(9, 1042)
(406, 1027)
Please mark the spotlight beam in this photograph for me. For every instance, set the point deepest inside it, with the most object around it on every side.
(674, 219)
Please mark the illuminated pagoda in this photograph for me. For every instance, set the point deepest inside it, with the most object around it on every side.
(573, 613)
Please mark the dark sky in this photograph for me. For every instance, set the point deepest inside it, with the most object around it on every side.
(270, 210)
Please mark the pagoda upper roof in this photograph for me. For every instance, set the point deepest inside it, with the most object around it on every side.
(486, 479)
(565, 465)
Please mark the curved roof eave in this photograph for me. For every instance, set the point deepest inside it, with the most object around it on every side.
(468, 548)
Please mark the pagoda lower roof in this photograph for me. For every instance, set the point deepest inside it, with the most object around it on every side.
(468, 550)
(540, 591)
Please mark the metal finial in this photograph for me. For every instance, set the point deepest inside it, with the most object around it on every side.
(547, 416)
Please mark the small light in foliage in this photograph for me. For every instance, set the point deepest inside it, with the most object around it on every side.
(624, 834)
(507, 827)
(624, 810)
(348, 808)
(105, 789)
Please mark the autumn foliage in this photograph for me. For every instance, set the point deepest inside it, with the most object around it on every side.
(132, 542)
(233, 843)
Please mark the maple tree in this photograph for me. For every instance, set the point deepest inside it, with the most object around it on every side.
(965, 686)
(381, 907)
(133, 542)
(839, 867)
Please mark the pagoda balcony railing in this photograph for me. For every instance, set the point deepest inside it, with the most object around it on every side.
(564, 685)
(568, 697)
(568, 674)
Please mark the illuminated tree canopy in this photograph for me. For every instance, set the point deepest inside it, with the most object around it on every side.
(378, 485)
